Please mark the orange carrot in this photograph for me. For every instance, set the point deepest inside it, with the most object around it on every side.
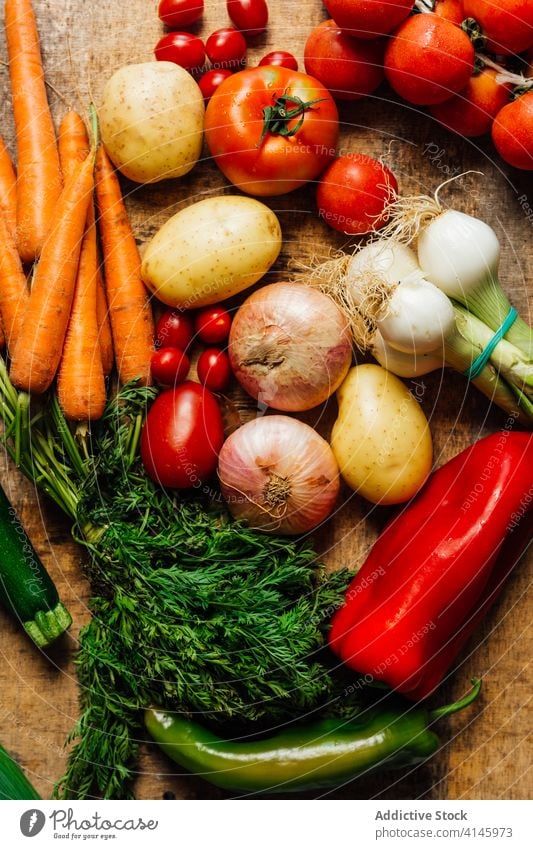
(14, 293)
(73, 147)
(39, 175)
(129, 307)
(80, 382)
(73, 143)
(104, 327)
(40, 344)
(8, 188)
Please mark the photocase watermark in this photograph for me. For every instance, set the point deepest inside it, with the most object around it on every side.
(65, 825)
(492, 463)
(526, 207)
(437, 155)
(518, 515)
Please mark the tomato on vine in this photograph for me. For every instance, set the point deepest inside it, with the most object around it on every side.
(270, 129)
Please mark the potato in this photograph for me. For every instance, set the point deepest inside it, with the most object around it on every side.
(381, 439)
(211, 250)
(151, 121)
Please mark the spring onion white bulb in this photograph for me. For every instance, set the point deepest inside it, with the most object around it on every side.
(418, 319)
(460, 254)
(401, 364)
(391, 261)
(279, 475)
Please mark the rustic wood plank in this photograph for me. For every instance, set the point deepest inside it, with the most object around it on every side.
(484, 754)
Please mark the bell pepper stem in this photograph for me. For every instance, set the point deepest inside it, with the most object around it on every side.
(470, 697)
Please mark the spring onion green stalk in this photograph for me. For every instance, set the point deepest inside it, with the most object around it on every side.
(461, 254)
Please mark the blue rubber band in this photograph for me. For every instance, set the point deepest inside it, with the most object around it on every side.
(480, 362)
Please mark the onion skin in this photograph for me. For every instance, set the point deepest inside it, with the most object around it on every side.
(279, 475)
(290, 346)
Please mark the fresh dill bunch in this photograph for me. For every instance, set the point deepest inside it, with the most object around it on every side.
(191, 611)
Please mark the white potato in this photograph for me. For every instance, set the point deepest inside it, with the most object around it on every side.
(381, 439)
(211, 250)
(151, 121)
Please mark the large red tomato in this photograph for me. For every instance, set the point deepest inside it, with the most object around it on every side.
(349, 67)
(270, 129)
(508, 24)
(368, 18)
(512, 132)
(182, 436)
(354, 192)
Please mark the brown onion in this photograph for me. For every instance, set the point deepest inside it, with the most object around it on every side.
(290, 346)
(279, 475)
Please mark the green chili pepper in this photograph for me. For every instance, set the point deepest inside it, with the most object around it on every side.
(304, 757)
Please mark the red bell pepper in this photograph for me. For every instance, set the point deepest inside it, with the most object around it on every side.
(438, 566)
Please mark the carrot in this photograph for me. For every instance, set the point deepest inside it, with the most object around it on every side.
(40, 343)
(104, 327)
(8, 188)
(80, 382)
(73, 143)
(129, 307)
(39, 175)
(73, 147)
(14, 293)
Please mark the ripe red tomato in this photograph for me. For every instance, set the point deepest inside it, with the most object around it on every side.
(368, 18)
(512, 132)
(471, 112)
(174, 330)
(180, 13)
(248, 15)
(350, 68)
(353, 193)
(508, 24)
(183, 49)
(182, 436)
(211, 81)
(428, 59)
(452, 10)
(214, 369)
(280, 59)
(213, 325)
(243, 133)
(169, 366)
(226, 48)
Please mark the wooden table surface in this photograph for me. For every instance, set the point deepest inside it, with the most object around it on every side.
(485, 751)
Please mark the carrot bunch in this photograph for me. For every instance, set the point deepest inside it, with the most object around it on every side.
(63, 327)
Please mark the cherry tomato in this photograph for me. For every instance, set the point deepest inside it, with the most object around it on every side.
(368, 18)
(211, 81)
(174, 330)
(428, 60)
(350, 68)
(471, 112)
(214, 369)
(226, 48)
(452, 10)
(508, 24)
(212, 325)
(169, 366)
(180, 13)
(182, 436)
(183, 49)
(280, 59)
(248, 15)
(512, 132)
(250, 150)
(353, 193)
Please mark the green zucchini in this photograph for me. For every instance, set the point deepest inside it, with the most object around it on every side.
(13, 782)
(26, 588)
